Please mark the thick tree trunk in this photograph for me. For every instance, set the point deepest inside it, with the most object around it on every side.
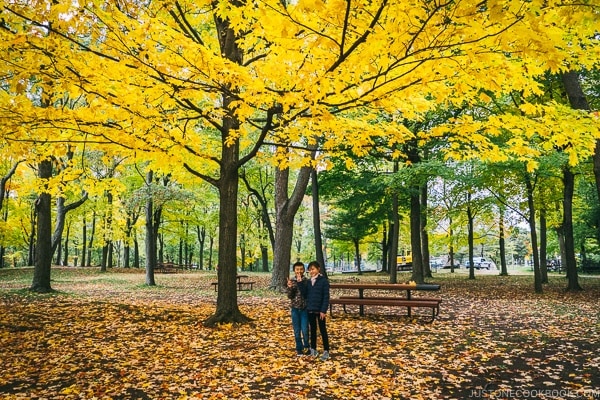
(227, 307)
(43, 247)
(286, 207)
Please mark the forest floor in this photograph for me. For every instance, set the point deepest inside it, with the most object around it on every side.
(108, 336)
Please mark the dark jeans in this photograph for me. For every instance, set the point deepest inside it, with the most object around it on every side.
(313, 320)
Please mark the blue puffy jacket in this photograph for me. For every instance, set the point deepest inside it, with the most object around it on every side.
(317, 298)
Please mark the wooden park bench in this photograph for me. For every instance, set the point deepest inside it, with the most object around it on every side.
(242, 283)
(433, 304)
(169, 268)
(409, 302)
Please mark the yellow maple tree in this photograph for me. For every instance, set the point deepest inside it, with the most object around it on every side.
(205, 84)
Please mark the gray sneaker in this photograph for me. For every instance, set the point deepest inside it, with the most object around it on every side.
(313, 353)
(325, 355)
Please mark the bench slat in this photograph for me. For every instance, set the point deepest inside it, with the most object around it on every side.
(438, 299)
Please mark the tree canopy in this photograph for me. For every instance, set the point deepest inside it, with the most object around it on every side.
(204, 86)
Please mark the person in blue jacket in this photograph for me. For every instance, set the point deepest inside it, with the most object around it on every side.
(296, 292)
(317, 303)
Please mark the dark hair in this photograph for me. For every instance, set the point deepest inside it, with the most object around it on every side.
(298, 264)
(314, 264)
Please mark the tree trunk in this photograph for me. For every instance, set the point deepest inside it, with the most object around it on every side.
(43, 247)
(320, 255)
(91, 242)
(83, 242)
(150, 237)
(395, 234)
(357, 257)
(61, 218)
(32, 236)
(264, 256)
(578, 102)
(470, 239)
(127, 244)
(5, 180)
(571, 266)
(537, 276)
(65, 256)
(227, 308)
(502, 244)
(451, 245)
(415, 236)
(201, 234)
(106, 248)
(136, 252)
(543, 245)
(4, 194)
(385, 246)
(424, 234)
(286, 208)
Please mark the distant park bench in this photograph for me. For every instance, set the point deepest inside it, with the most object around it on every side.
(169, 268)
(590, 266)
(242, 283)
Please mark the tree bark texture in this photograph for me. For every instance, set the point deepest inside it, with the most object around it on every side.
(43, 247)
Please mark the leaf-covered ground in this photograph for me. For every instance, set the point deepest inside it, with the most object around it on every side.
(107, 336)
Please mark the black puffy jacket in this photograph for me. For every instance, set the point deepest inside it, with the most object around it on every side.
(317, 299)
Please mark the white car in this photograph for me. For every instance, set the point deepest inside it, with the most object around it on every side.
(481, 262)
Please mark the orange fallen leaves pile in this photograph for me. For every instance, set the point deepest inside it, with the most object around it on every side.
(106, 336)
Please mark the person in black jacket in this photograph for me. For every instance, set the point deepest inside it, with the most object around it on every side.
(317, 302)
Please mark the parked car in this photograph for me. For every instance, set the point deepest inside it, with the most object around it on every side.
(436, 263)
(447, 264)
(481, 262)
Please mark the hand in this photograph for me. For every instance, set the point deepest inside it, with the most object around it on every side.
(323, 315)
(289, 283)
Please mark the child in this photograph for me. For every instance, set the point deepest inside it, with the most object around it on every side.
(317, 302)
(296, 291)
